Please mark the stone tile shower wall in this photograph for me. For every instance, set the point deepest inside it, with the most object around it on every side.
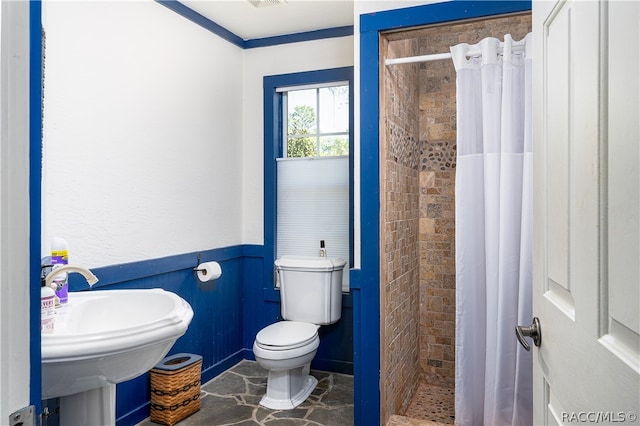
(435, 153)
(437, 211)
(399, 271)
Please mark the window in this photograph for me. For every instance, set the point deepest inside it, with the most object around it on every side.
(308, 164)
(317, 121)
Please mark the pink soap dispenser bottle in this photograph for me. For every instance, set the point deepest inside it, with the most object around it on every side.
(47, 308)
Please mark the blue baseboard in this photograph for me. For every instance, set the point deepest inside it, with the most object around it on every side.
(248, 354)
(332, 365)
(134, 416)
(222, 366)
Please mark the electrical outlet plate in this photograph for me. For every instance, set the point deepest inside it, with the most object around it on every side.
(23, 417)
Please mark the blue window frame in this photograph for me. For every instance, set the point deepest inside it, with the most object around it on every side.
(273, 148)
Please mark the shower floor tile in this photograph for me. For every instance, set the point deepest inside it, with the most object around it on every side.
(433, 404)
(397, 420)
(233, 398)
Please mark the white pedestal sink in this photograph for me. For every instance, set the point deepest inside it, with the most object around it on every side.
(104, 337)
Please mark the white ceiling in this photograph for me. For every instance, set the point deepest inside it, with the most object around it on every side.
(295, 16)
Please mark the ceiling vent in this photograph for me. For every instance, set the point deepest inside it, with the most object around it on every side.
(265, 3)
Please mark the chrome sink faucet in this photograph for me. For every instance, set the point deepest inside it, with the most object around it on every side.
(87, 274)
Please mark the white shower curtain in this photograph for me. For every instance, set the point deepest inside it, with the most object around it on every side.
(494, 205)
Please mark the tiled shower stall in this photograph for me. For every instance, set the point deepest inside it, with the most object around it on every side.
(417, 178)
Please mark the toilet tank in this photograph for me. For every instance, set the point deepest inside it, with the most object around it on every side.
(310, 288)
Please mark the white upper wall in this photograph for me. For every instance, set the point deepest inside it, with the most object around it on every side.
(266, 61)
(142, 133)
(153, 129)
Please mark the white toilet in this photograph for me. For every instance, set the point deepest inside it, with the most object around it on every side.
(311, 296)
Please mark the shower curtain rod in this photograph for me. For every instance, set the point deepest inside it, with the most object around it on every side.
(439, 56)
(423, 58)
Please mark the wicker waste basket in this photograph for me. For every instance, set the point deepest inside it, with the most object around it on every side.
(175, 388)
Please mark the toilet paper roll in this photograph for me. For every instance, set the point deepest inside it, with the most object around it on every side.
(208, 271)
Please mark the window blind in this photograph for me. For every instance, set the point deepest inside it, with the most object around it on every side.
(313, 205)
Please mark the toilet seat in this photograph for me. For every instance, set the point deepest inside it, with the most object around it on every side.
(286, 335)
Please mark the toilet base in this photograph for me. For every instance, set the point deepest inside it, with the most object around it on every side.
(289, 388)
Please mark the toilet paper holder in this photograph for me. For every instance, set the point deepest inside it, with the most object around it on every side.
(208, 271)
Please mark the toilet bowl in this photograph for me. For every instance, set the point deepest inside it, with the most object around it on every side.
(286, 350)
(311, 295)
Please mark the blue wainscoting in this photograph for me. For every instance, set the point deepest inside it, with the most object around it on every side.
(228, 312)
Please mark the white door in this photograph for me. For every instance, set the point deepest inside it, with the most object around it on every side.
(586, 210)
(14, 210)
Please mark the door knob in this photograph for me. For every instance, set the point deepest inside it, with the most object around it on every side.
(532, 331)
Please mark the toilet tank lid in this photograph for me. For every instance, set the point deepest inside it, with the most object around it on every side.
(310, 263)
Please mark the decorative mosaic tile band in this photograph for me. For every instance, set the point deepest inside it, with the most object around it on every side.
(403, 147)
(437, 155)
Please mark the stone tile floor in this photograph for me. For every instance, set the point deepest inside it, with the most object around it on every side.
(233, 398)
